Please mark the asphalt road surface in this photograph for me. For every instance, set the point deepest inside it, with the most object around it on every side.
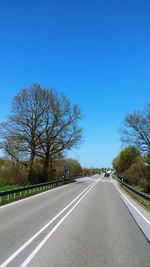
(81, 224)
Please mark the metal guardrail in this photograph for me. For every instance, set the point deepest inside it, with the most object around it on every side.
(28, 190)
(120, 180)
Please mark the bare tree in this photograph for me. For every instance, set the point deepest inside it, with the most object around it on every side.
(20, 134)
(43, 124)
(136, 129)
(60, 130)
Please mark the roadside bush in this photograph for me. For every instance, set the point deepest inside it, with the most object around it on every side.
(135, 173)
(2, 162)
(12, 174)
(139, 174)
(145, 182)
(19, 174)
(5, 178)
(15, 173)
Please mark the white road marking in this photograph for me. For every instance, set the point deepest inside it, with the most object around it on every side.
(132, 204)
(18, 251)
(36, 250)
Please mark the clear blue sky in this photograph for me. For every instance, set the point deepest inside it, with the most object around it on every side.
(96, 52)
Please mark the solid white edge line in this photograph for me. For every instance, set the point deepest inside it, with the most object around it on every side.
(36, 250)
(131, 204)
(18, 251)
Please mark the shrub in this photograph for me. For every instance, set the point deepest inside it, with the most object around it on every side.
(135, 173)
(126, 158)
(12, 174)
(139, 174)
(145, 182)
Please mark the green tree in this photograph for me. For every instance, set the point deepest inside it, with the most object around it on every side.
(126, 158)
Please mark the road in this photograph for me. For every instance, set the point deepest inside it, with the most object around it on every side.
(85, 223)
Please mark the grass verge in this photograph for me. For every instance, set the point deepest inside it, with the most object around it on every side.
(29, 192)
(143, 202)
(8, 187)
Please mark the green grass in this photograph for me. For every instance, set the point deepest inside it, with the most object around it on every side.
(138, 187)
(141, 189)
(20, 195)
(145, 203)
(114, 175)
(8, 187)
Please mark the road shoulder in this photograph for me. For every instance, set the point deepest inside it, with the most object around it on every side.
(140, 215)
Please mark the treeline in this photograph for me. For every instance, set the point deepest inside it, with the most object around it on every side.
(16, 174)
(133, 162)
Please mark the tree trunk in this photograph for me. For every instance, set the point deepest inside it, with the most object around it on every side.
(48, 169)
(45, 169)
(31, 161)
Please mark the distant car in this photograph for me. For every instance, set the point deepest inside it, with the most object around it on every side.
(107, 174)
